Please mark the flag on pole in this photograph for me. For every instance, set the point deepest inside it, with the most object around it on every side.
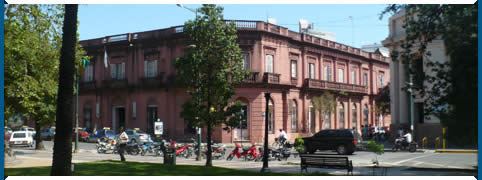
(106, 63)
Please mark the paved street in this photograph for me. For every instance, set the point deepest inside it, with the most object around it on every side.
(400, 163)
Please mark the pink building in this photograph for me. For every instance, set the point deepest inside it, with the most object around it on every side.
(137, 86)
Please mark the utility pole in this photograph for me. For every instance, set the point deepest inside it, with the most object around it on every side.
(199, 129)
(265, 154)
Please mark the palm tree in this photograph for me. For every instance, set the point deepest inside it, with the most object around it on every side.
(62, 156)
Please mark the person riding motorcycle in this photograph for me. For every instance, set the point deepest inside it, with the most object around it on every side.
(282, 136)
(405, 140)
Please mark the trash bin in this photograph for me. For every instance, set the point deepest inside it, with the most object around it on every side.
(170, 157)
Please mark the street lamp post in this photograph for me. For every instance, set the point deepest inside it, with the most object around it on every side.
(77, 112)
(265, 155)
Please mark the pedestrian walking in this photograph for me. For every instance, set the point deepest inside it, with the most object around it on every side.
(123, 138)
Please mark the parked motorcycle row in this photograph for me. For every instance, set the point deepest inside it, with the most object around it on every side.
(110, 146)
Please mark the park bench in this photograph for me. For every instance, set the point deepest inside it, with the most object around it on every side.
(321, 161)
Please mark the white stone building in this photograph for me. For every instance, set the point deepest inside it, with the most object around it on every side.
(400, 104)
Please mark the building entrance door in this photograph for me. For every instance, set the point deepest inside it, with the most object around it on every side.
(151, 118)
(241, 132)
(118, 117)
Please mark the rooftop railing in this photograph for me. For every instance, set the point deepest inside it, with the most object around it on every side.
(241, 25)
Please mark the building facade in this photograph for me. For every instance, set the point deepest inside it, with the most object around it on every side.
(137, 84)
(430, 126)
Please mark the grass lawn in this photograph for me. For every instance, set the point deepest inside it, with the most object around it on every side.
(116, 168)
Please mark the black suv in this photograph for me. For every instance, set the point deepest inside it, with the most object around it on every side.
(344, 141)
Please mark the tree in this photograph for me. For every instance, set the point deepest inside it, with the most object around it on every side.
(210, 69)
(382, 102)
(32, 47)
(453, 93)
(325, 103)
(30, 66)
(62, 157)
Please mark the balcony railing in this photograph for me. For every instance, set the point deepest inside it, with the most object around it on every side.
(320, 84)
(294, 81)
(153, 82)
(251, 78)
(271, 78)
(114, 83)
(86, 85)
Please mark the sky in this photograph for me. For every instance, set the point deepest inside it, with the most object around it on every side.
(366, 28)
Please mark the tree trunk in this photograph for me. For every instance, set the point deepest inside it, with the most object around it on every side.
(38, 140)
(209, 160)
(62, 155)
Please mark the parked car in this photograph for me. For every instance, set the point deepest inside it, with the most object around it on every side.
(343, 141)
(21, 138)
(83, 134)
(100, 134)
(25, 128)
(47, 133)
(136, 135)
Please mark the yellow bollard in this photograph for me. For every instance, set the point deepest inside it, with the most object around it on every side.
(424, 142)
(443, 131)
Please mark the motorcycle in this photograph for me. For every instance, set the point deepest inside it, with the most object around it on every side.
(133, 149)
(248, 153)
(146, 147)
(106, 145)
(278, 154)
(218, 151)
(399, 145)
(182, 151)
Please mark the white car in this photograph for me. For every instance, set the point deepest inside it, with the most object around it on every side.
(21, 138)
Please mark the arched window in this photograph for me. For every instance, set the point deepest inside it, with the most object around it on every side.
(294, 116)
(354, 113)
(311, 118)
(341, 118)
(327, 120)
(366, 114)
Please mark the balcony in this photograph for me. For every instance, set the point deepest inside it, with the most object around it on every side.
(86, 85)
(153, 82)
(294, 81)
(271, 78)
(114, 83)
(320, 84)
(252, 77)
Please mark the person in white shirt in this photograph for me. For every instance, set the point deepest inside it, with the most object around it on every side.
(123, 138)
(282, 136)
(407, 139)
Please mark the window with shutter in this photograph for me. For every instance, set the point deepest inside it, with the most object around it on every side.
(312, 71)
(269, 63)
(293, 68)
(245, 61)
(365, 79)
(146, 69)
(353, 77)
(340, 75)
(122, 71)
(113, 71)
(329, 74)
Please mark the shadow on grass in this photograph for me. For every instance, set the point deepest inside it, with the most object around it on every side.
(116, 168)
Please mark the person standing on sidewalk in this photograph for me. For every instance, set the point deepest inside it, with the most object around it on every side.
(123, 138)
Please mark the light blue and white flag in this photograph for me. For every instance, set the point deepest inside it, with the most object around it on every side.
(106, 63)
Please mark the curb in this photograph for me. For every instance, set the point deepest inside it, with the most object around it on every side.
(455, 151)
